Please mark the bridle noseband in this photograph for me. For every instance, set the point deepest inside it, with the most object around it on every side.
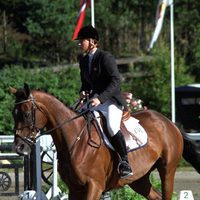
(29, 119)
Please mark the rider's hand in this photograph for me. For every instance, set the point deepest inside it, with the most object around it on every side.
(83, 95)
(95, 102)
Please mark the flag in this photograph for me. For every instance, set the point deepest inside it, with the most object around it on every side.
(81, 15)
(160, 13)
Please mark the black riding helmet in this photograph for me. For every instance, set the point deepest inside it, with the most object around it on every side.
(88, 32)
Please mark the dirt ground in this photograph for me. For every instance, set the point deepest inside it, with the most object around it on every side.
(184, 180)
(189, 180)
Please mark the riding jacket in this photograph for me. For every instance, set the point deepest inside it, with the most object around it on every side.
(102, 78)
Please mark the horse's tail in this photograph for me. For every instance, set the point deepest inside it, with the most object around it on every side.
(191, 153)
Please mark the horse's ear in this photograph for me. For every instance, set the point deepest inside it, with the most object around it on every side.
(26, 89)
(13, 90)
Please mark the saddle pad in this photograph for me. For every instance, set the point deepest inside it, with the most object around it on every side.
(135, 137)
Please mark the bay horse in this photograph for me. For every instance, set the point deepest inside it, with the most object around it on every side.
(86, 165)
(191, 152)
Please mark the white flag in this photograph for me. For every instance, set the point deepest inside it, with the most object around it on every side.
(160, 13)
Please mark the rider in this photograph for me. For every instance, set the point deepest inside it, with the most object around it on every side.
(100, 77)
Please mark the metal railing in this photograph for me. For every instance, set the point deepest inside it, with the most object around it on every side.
(9, 160)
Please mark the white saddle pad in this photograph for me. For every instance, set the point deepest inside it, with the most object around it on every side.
(137, 137)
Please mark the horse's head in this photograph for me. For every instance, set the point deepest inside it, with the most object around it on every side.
(28, 120)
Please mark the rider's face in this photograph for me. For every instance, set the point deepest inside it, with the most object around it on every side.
(84, 45)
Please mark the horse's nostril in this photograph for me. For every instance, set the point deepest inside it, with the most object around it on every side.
(21, 146)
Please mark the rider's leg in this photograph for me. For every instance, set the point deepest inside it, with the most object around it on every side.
(119, 145)
(114, 116)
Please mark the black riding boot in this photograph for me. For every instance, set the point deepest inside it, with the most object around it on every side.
(119, 145)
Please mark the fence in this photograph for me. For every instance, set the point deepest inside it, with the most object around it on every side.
(9, 161)
(15, 162)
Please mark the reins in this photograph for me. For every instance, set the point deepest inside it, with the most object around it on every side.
(39, 133)
(59, 125)
(64, 122)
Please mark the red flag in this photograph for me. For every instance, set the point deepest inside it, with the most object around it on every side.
(81, 15)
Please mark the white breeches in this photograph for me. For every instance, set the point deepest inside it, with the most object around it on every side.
(113, 114)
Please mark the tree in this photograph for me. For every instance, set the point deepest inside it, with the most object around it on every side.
(48, 23)
(155, 88)
(187, 30)
(125, 33)
(63, 84)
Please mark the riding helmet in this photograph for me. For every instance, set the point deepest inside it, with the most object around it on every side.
(88, 32)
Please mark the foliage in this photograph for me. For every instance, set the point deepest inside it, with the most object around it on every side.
(128, 194)
(63, 84)
(125, 193)
(187, 30)
(48, 24)
(155, 88)
(42, 29)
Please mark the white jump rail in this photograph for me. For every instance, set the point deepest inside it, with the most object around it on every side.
(193, 136)
(5, 162)
(7, 139)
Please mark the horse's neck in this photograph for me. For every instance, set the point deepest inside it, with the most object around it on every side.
(59, 117)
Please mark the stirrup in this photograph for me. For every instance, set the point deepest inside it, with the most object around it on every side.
(124, 173)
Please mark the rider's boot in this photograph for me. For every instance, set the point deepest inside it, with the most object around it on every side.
(119, 145)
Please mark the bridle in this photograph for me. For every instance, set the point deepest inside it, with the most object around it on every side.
(30, 118)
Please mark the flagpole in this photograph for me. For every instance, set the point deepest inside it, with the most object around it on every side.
(172, 61)
(92, 13)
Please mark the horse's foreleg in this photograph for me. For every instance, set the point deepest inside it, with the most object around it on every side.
(144, 187)
(94, 191)
(76, 195)
(167, 178)
(91, 192)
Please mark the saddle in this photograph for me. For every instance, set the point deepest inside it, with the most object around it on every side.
(126, 115)
(134, 134)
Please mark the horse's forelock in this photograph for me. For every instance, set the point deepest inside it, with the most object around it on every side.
(20, 95)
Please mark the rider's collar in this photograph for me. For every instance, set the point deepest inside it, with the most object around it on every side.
(92, 52)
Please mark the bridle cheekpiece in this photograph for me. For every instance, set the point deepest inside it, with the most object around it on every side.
(29, 118)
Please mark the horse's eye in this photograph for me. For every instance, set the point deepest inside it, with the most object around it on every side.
(27, 115)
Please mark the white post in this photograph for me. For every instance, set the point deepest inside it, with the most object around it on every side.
(172, 61)
(92, 13)
(55, 191)
(38, 170)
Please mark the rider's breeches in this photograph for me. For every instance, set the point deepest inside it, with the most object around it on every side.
(113, 114)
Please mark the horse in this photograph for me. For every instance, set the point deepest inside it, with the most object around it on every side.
(191, 152)
(85, 164)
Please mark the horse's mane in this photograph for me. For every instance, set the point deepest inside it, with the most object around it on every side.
(191, 153)
(55, 98)
(47, 93)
